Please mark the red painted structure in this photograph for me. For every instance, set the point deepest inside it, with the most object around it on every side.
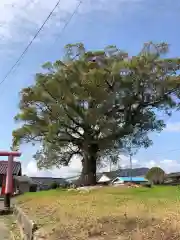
(16, 171)
(7, 186)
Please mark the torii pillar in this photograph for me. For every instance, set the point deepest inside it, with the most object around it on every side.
(9, 176)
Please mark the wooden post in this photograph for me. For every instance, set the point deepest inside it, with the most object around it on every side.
(9, 179)
(9, 176)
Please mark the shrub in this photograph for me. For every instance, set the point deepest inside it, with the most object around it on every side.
(33, 188)
(54, 185)
(149, 185)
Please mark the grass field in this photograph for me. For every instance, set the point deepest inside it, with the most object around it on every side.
(106, 213)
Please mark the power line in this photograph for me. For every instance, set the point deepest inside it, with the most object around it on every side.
(35, 36)
(68, 21)
(30, 43)
(28, 3)
(171, 150)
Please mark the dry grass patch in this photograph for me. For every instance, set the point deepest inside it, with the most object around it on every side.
(106, 213)
(13, 227)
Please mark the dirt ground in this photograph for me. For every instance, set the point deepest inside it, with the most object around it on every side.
(106, 213)
(4, 229)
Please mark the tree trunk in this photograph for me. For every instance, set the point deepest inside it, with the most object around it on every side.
(88, 176)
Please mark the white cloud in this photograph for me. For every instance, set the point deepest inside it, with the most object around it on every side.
(20, 19)
(31, 170)
(173, 127)
(168, 165)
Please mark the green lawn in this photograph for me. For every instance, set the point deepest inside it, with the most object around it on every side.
(106, 213)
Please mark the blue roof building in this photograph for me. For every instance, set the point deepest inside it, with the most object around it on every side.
(129, 179)
(134, 179)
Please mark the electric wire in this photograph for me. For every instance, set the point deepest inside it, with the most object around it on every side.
(35, 36)
(18, 61)
(29, 44)
(68, 21)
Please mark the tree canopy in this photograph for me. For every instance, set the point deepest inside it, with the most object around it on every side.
(156, 175)
(91, 104)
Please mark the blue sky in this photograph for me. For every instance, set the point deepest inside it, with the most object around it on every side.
(125, 23)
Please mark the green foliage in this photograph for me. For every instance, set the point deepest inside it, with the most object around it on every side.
(93, 103)
(156, 175)
(54, 185)
(33, 188)
(148, 185)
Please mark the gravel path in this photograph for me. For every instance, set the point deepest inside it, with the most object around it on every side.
(4, 231)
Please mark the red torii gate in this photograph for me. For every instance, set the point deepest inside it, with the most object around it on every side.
(9, 176)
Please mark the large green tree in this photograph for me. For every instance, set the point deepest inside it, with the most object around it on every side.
(91, 104)
(156, 175)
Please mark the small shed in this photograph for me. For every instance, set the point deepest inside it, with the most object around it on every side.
(118, 180)
(45, 183)
(172, 178)
(25, 184)
(104, 179)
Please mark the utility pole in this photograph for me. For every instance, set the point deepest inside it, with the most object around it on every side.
(118, 165)
(110, 164)
(130, 160)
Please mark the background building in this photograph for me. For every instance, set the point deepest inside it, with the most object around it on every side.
(16, 171)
